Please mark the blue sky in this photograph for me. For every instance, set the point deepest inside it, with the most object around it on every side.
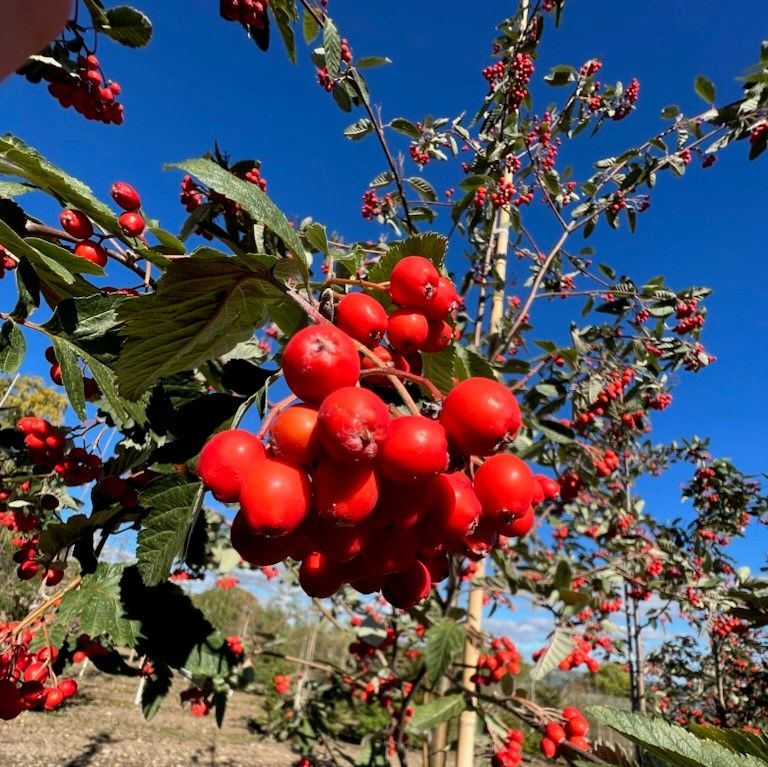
(201, 80)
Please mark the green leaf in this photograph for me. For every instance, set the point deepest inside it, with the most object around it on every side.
(734, 740)
(258, 206)
(359, 130)
(310, 28)
(128, 26)
(12, 189)
(96, 9)
(332, 47)
(96, 607)
(444, 642)
(406, 127)
(173, 503)
(432, 246)
(423, 188)
(563, 575)
(317, 236)
(284, 20)
(202, 307)
(554, 431)
(559, 647)
(429, 715)
(12, 347)
(471, 364)
(704, 89)
(670, 743)
(169, 244)
(670, 112)
(61, 535)
(155, 690)
(71, 376)
(439, 368)
(368, 62)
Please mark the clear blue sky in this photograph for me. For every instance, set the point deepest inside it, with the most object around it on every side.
(201, 80)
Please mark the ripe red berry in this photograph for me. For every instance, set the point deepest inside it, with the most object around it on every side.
(352, 424)
(414, 282)
(550, 487)
(53, 699)
(439, 337)
(416, 448)
(569, 712)
(27, 570)
(479, 414)
(318, 360)
(125, 196)
(445, 303)
(226, 460)
(10, 701)
(580, 742)
(131, 223)
(68, 687)
(519, 526)
(576, 726)
(402, 506)
(294, 437)
(344, 494)
(262, 551)
(340, 544)
(91, 251)
(362, 317)
(53, 576)
(554, 732)
(548, 748)
(319, 576)
(408, 588)
(407, 330)
(454, 511)
(76, 223)
(275, 497)
(504, 485)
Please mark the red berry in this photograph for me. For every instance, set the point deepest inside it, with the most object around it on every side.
(261, 551)
(580, 742)
(53, 576)
(445, 303)
(91, 251)
(53, 699)
(479, 414)
(455, 510)
(340, 544)
(27, 570)
(549, 487)
(344, 494)
(362, 317)
(55, 373)
(275, 497)
(125, 196)
(407, 330)
(352, 424)
(576, 726)
(504, 484)
(520, 526)
(402, 506)
(76, 223)
(319, 576)
(569, 712)
(408, 588)
(548, 748)
(294, 437)
(439, 337)
(318, 360)
(131, 223)
(554, 732)
(226, 460)
(414, 282)
(416, 448)
(10, 700)
(68, 687)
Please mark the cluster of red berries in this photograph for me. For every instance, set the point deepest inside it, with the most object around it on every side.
(570, 485)
(27, 681)
(660, 402)
(608, 606)
(504, 660)
(494, 73)
(235, 646)
(540, 140)
(627, 100)
(282, 683)
(200, 701)
(591, 67)
(522, 71)
(419, 156)
(574, 731)
(371, 206)
(362, 494)
(86, 90)
(512, 753)
(607, 465)
(688, 316)
(324, 79)
(7, 262)
(654, 568)
(26, 557)
(608, 394)
(250, 12)
(580, 656)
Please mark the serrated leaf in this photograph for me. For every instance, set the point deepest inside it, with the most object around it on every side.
(431, 246)
(705, 89)
(317, 236)
(559, 647)
(332, 47)
(173, 503)
(423, 188)
(255, 202)
(96, 607)
(669, 742)
(71, 376)
(440, 368)
(12, 347)
(359, 130)
(471, 364)
(429, 715)
(310, 28)
(368, 62)
(284, 21)
(128, 26)
(11, 189)
(202, 307)
(444, 642)
(734, 740)
(383, 179)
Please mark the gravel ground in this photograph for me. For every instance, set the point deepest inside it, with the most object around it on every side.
(101, 727)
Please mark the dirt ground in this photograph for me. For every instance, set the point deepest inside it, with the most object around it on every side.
(101, 727)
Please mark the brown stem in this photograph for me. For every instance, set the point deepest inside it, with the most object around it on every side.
(43, 608)
(273, 413)
(356, 283)
(435, 393)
